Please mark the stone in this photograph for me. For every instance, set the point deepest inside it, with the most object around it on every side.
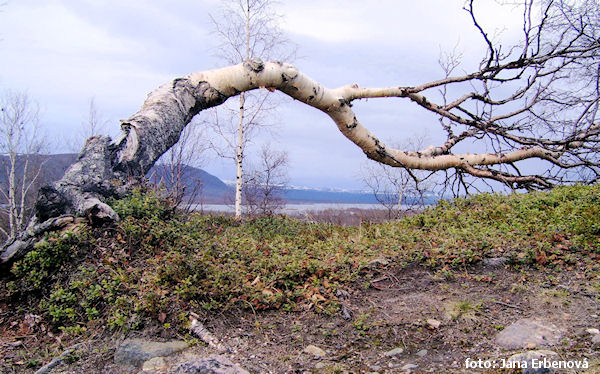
(596, 339)
(320, 365)
(394, 352)
(155, 364)
(315, 351)
(422, 353)
(213, 364)
(409, 367)
(592, 331)
(433, 323)
(346, 312)
(528, 331)
(528, 357)
(494, 261)
(135, 351)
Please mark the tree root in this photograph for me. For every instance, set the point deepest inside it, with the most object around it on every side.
(57, 360)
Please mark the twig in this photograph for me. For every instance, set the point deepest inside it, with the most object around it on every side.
(22, 336)
(380, 279)
(398, 289)
(57, 360)
(509, 305)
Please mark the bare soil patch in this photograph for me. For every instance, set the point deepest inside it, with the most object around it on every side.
(388, 308)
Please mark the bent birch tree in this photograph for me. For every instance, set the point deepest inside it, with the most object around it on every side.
(248, 29)
(546, 117)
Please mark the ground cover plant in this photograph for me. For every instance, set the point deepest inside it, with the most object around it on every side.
(149, 271)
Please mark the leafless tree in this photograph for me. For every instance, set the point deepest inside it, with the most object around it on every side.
(173, 169)
(21, 145)
(266, 182)
(396, 188)
(93, 125)
(538, 99)
(246, 29)
(535, 100)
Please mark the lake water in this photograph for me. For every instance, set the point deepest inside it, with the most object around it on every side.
(296, 208)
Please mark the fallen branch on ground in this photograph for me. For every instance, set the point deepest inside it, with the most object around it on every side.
(206, 336)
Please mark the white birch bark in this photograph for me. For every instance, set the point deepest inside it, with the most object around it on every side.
(239, 154)
(538, 119)
(106, 168)
(239, 159)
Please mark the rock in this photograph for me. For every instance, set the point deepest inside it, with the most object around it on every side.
(596, 339)
(494, 261)
(593, 331)
(433, 323)
(315, 351)
(320, 365)
(155, 364)
(394, 352)
(213, 364)
(346, 312)
(136, 351)
(409, 367)
(528, 331)
(422, 353)
(525, 361)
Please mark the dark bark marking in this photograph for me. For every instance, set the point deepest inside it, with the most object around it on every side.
(255, 65)
(344, 102)
(353, 124)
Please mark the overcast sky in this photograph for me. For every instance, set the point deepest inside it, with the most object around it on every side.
(62, 53)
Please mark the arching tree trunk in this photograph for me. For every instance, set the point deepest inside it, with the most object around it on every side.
(106, 168)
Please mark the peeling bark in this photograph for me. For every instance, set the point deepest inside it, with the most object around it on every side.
(105, 168)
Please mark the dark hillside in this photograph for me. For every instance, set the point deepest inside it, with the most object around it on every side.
(198, 183)
(54, 166)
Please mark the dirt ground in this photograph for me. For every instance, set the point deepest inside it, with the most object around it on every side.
(395, 308)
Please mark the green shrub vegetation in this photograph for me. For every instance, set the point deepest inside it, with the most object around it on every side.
(157, 265)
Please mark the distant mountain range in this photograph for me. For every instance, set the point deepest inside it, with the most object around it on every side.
(215, 191)
(199, 183)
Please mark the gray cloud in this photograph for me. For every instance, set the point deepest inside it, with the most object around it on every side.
(65, 51)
